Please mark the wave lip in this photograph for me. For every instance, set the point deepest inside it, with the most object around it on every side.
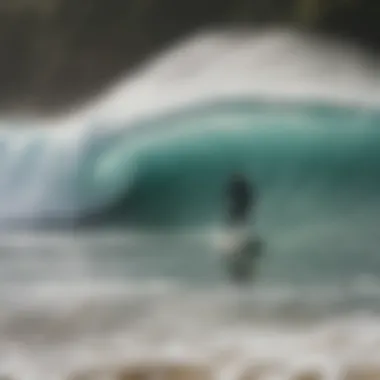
(274, 64)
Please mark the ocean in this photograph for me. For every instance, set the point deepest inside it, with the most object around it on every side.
(112, 218)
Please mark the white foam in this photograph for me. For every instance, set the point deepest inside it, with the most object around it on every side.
(273, 64)
(327, 349)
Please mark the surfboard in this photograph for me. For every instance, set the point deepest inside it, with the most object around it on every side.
(233, 241)
(240, 253)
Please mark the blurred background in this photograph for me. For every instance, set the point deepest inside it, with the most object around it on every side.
(121, 123)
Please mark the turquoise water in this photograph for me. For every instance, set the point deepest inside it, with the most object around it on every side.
(309, 162)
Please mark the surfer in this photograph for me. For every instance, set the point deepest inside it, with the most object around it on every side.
(242, 255)
(241, 198)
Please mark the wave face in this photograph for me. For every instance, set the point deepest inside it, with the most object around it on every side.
(307, 161)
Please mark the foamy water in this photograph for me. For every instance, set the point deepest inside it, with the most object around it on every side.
(201, 336)
(95, 307)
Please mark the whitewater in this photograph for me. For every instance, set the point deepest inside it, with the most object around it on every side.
(109, 217)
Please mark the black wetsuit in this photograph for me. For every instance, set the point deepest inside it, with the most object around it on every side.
(241, 198)
(241, 263)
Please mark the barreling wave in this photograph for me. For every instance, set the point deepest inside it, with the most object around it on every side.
(316, 160)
